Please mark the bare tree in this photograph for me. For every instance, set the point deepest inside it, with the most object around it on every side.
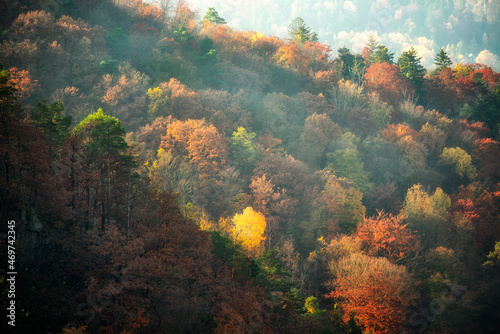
(167, 6)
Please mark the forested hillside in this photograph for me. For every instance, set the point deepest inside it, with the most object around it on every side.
(467, 29)
(163, 172)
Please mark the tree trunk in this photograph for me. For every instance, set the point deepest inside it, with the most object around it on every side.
(128, 207)
(108, 199)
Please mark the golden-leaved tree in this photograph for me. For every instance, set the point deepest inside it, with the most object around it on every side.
(249, 230)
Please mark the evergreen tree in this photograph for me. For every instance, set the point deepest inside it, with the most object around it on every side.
(213, 16)
(52, 122)
(442, 59)
(375, 52)
(357, 70)
(314, 37)
(347, 62)
(273, 275)
(382, 54)
(244, 150)
(299, 32)
(410, 67)
(103, 139)
(116, 42)
(372, 44)
(182, 35)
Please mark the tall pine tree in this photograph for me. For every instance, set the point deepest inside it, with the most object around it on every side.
(103, 139)
(442, 59)
(299, 32)
(382, 54)
(410, 67)
(213, 16)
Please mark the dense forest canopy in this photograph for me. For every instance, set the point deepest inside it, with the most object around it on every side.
(164, 171)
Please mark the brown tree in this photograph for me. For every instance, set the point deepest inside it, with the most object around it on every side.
(486, 152)
(318, 132)
(124, 96)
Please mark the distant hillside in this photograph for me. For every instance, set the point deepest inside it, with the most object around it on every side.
(467, 29)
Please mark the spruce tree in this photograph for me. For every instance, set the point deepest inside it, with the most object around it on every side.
(410, 67)
(382, 54)
(442, 59)
(299, 32)
(347, 62)
(378, 52)
(213, 16)
(372, 43)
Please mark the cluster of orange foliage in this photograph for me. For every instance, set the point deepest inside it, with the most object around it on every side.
(366, 279)
(450, 88)
(310, 57)
(207, 149)
(385, 80)
(378, 292)
(24, 83)
(395, 132)
(387, 236)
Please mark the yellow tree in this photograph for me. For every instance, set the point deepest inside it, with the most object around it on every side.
(249, 230)
(460, 160)
(426, 214)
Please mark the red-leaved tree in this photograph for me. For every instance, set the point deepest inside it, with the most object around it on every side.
(377, 292)
(385, 80)
(386, 235)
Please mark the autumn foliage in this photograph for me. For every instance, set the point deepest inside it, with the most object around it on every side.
(486, 151)
(168, 174)
(376, 291)
(206, 147)
(386, 235)
(341, 206)
(249, 230)
(385, 80)
(24, 83)
(480, 207)
(290, 56)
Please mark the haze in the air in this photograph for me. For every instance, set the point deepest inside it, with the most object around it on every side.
(468, 30)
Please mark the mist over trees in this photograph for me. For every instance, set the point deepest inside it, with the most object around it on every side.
(467, 30)
(170, 173)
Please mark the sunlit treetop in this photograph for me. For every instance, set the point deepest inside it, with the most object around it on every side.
(182, 35)
(460, 160)
(409, 64)
(249, 230)
(106, 132)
